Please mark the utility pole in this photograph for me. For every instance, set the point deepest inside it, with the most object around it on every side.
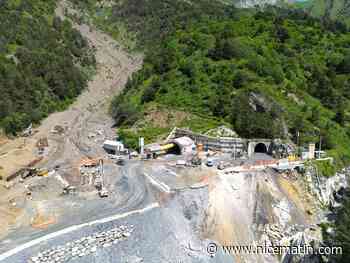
(234, 151)
(298, 146)
(141, 144)
(319, 147)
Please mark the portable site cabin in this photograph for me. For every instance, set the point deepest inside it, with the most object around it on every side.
(113, 147)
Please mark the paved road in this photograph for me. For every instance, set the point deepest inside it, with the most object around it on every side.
(70, 231)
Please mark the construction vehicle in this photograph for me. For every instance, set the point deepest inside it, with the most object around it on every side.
(25, 173)
(42, 172)
(69, 190)
(210, 162)
(180, 163)
(103, 192)
(221, 165)
(28, 131)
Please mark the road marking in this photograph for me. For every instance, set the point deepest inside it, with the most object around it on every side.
(74, 228)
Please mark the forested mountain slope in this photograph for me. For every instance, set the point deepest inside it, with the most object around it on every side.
(140, 23)
(268, 74)
(42, 62)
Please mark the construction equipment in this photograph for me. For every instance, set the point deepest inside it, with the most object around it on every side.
(210, 162)
(27, 172)
(221, 165)
(103, 192)
(180, 163)
(68, 190)
(28, 131)
(31, 172)
(42, 172)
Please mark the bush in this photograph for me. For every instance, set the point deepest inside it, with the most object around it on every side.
(325, 168)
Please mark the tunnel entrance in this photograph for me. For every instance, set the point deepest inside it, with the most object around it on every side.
(260, 148)
(175, 149)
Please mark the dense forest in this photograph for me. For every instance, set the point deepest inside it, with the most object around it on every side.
(142, 23)
(42, 62)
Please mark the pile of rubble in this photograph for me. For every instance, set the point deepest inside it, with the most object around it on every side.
(84, 246)
(222, 131)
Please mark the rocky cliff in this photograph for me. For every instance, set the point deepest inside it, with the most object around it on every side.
(333, 9)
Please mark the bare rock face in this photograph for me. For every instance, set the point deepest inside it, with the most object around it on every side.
(327, 190)
(252, 3)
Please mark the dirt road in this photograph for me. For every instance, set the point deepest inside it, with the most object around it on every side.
(87, 114)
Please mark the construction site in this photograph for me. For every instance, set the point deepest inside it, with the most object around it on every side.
(187, 190)
(72, 192)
